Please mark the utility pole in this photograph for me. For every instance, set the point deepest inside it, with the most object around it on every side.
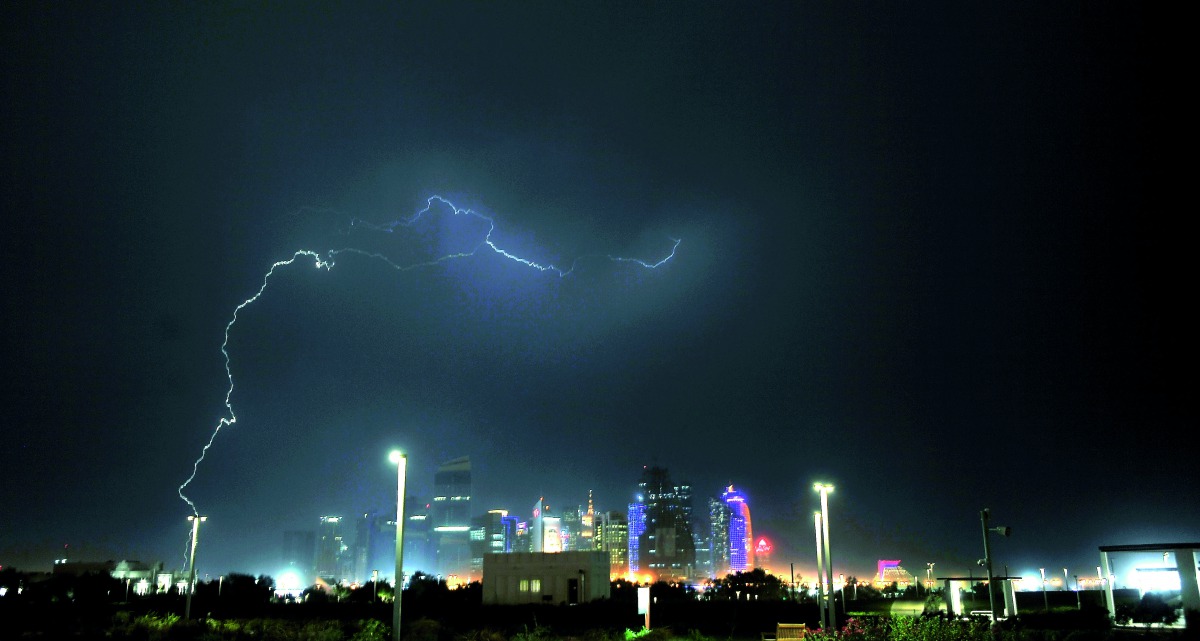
(984, 514)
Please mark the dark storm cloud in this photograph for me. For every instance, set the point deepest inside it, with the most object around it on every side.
(917, 261)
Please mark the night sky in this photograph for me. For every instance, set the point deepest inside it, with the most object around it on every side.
(925, 256)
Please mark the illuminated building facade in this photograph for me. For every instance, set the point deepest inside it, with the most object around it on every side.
(450, 518)
(587, 530)
(718, 521)
(572, 528)
(889, 572)
(741, 531)
(666, 549)
(545, 530)
(612, 538)
(489, 535)
(636, 527)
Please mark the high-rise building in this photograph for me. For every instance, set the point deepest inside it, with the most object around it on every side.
(333, 558)
(490, 534)
(718, 520)
(545, 530)
(612, 537)
(636, 527)
(587, 531)
(572, 528)
(374, 546)
(418, 549)
(741, 532)
(450, 515)
(666, 548)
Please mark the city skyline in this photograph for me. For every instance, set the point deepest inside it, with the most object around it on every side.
(922, 254)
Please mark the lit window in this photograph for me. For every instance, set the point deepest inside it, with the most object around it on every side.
(524, 585)
(535, 586)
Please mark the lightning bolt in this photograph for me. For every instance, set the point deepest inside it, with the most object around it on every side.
(327, 260)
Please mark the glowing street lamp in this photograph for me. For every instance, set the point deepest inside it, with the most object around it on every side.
(195, 519)
(825, 489)
(401, 462)
(929, 576)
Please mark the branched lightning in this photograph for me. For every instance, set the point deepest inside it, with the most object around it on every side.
(326, 261)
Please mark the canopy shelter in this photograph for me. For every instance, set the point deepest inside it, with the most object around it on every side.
(1185, 562)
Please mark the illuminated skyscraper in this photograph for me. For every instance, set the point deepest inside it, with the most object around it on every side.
(741, 533)
(545, 529)
(666, 548)
(637, 526)
(612, 537)
(587, 531)
(718, 519)
(450, 516)
(490, 534)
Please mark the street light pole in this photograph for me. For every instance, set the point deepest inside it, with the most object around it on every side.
(929, 576)
(825, 489)
(820, 573)
(401, 462)
(187, 608)
(1045, 600)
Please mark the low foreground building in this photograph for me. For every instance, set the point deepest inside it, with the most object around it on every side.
(531, 577)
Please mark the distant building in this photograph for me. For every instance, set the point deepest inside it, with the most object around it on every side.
(718, 520)
(545, 530)
(139, 578)
(572, 528)
(612, 538)
(300, 554)
(490, 534)
(666, 549)
(333, 557)
(374, 547)
(418, 545)
(567, 577)
(889, 572)
(450, 517)
(636, 527)
(741, 532)
(587, 530)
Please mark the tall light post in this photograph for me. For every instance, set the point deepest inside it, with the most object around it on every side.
(929, 576)
(401, 462)
(820, 573)
(187, 607)
(825, 489)
(984, 514)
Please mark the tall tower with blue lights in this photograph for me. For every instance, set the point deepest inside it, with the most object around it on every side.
(637, 525)
(741, 532)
